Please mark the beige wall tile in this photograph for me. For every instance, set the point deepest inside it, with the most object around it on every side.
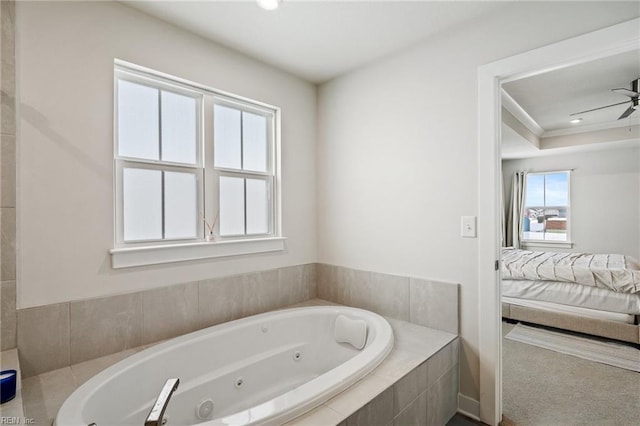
(296, 284)
(8, 40)
(407, 389)
(43, 338)
(442, 398)
(7, 114)
(7, 244)
(377, 412)
(7, 171)
(438, 365)
(326, 285)
(310, 280)
(434, 304)
(390, 295)
(220, 300)
(353, 287)
(169, 311)
(8, 315)
(104, 326)
(260, 292)
(414, 414)
(7, 70)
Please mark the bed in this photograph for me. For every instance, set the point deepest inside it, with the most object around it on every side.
(597, 294)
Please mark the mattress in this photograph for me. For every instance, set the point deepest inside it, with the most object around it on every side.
(583, 312)
(570, 294)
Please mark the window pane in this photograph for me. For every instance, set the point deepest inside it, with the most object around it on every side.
(546, 202)
(178, 128)
(180, 204)
(254, 142)
(534, 190)
(556, 189)
(231, 206)
(226, 134)
(257, 207)
(137, 121)
(142, 204)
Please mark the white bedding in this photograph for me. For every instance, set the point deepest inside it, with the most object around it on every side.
(608, 271)
(583, 312)
(572, 295)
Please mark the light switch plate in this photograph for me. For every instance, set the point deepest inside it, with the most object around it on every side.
(468, 225)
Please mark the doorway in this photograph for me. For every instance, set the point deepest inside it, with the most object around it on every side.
(599, 44)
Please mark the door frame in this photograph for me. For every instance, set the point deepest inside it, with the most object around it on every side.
(599, 44)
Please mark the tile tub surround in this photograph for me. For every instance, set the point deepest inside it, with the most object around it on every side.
(416, 384)
(51, 337)
(429, 303)
(54, 336)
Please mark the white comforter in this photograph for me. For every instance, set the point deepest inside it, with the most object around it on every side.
(614, 272)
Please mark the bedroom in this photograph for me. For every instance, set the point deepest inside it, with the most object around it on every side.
(580, 193)
(374, 158)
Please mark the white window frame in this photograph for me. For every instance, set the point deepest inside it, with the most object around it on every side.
(122, 162)
(269, 176)
(138, 253)
(529, 243)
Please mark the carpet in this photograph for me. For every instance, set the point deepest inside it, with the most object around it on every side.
(605, 352)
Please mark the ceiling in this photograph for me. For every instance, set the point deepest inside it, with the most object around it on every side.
(317, 40)
(547, 101)
(551, 97)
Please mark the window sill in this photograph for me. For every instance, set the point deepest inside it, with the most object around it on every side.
(152, 255)
(547, 244)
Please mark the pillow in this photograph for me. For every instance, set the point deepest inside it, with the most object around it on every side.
(352, 331)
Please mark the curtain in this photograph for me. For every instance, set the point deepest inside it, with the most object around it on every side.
(516, 210)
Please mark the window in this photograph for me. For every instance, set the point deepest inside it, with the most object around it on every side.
(546, 207)
(158, 161)
(188, 156)
(243, 166)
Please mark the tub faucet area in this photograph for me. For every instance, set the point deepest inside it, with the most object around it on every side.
(157, 412)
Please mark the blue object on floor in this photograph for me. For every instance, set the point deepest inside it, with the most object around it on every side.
(7, 385)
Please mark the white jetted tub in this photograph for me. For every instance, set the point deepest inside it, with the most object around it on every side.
(265, 369)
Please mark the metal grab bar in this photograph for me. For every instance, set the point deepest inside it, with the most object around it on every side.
(157, 412)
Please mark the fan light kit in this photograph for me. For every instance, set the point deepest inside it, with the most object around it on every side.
(633, 94)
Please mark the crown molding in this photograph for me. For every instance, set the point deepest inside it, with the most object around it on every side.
(632, 122)
(519, 113)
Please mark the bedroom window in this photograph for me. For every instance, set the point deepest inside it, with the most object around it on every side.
(189, 160)
(546, 207)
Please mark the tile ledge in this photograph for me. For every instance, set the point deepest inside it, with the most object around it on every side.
(14, 408)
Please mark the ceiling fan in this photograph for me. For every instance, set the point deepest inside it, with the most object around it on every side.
(634, 94)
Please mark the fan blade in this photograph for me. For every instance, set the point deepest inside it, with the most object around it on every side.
(596, 109)
(626, 92)
(628, 112)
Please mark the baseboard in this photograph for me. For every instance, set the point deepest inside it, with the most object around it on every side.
(469, 407)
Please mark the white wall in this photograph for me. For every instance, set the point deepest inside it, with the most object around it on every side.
(605, 197)
(397, 152)
(65, 53)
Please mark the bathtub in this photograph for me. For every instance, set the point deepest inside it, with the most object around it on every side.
(266, 369)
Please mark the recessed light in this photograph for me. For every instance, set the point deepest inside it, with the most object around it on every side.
(269, 4)
(575, 120)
